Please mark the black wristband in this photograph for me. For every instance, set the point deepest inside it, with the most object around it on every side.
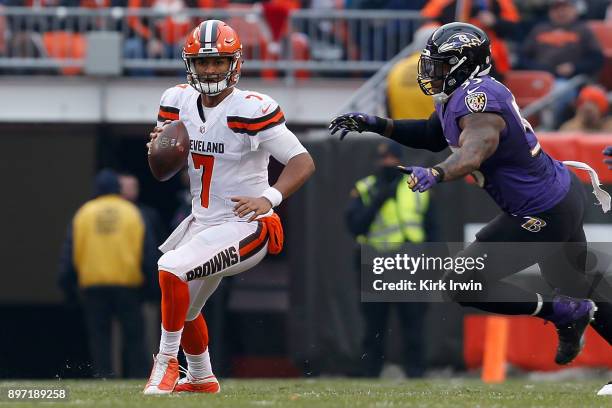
(438, 173)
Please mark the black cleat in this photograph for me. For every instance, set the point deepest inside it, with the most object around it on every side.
(571, 317)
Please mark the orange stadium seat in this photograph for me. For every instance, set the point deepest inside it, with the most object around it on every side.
(529, 86)
(603, 32)
(301, 52)
(2, 31)
(65, 45)
(255, 38)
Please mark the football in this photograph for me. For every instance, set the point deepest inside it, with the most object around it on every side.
(169, 151)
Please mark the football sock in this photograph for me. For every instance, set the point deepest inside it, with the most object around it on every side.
(199, 365)
(507, 299)
(603, 321)
(174, 305)
(195, 347)
(169, 342)
(544, 307)
(195, 336)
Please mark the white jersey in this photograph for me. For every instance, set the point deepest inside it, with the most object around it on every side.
(226, 159)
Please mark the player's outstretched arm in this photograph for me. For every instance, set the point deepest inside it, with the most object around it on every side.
(360, 122)
(478, 141)
(419, 134)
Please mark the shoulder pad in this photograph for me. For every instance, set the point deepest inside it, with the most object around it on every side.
(252, 112)
(251, 104)
(172, 100)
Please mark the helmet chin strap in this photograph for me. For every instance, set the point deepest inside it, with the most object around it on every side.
(206, 88)
(485, 71)
(442, 97)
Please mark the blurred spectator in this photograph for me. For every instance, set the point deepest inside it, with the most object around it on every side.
(598, 10)
(204, 4)
(498, 18)
(380, 40)
(532, 13)
(331, 40)
(102, 262)
(591, 112)
(565, 47)
(405, 99)
(608, 152)
(184, 197)
(37, 35)
(130, 190)
(384, 213)
(156, 37)
(3, 29)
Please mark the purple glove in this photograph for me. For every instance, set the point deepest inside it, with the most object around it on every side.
(353, 122)
(421, 179)
(608, 152)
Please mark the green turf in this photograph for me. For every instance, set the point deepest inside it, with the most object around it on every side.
(330, 393)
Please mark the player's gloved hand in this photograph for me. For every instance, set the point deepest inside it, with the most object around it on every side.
(421, 179)
(356, 122)
(608, 152)
(247, 205)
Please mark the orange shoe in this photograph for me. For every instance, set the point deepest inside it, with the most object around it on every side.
(164, 375)
(208, 385)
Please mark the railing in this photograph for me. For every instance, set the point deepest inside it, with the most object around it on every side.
(315, 42)
(371, 96)
(540, 106)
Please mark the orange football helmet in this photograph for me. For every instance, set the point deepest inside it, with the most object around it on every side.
(212, 38)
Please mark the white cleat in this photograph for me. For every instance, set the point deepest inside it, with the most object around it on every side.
(164, 375)
(606, 389)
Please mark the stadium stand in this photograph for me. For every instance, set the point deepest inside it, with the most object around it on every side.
(603, 32)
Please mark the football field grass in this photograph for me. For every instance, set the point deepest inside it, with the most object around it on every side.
(327, 393)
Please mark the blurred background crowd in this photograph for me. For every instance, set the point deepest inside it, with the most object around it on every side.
(297, 313)
(537, 45)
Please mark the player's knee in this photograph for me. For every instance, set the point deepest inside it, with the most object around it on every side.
(457, 283)
(170, 263)
(192, 314)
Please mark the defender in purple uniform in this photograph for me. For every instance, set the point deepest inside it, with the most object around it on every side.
(477, 117)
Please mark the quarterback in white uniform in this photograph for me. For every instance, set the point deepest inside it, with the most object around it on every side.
(232, 226)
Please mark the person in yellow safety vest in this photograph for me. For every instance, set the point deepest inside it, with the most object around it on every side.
(105, 259)
(384, 213)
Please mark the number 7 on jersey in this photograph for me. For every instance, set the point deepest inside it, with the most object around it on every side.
(206, 163)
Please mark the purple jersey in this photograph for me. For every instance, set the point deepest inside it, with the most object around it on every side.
(519, 176)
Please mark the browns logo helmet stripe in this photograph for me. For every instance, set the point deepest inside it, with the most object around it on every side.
(209, 33)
